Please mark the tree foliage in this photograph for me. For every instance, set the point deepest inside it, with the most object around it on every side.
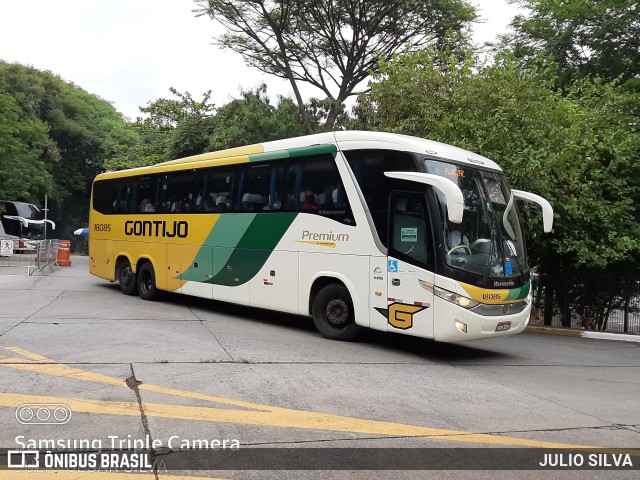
(174, 127)
(253, 119)
(168, 113)
(72, 133)
(332, 45)
(181, 127)
(584, 37)
(145, 145)
(23, 174)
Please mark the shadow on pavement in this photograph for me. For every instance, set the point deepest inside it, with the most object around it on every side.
(423, 348)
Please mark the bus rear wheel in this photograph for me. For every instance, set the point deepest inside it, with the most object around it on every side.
(333, 313)
(147, 282)
(126, 278)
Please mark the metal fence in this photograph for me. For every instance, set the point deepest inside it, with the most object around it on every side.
(588, 300)
(37, 257)
(615, 322)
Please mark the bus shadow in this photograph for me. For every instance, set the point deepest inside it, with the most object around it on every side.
(428, 349)
(422, 348)
(242, 312)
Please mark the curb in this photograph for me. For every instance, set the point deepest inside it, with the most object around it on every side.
(567, 332)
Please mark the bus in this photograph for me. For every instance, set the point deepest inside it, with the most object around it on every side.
(354, 229)
(23, 223)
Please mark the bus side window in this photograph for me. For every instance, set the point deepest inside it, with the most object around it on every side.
(145, 194)
(258, 187)
(368, 167)
(176, 192)
(313, 185)
(217, 190)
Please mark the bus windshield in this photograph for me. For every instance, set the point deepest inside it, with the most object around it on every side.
(489, 241)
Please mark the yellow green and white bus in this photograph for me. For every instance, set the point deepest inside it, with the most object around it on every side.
(355, 229)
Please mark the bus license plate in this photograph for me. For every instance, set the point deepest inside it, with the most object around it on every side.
(502, 326)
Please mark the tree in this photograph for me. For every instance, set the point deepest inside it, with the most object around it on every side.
(82, 132)
(584, 37)
(184, 127)
(145, 145)
(23, 174)
(166, 114)
(252, 119)
(332, 45)
(175, 127)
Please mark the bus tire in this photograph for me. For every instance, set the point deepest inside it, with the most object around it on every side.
(147, 282)
(333, 313)
(126, 278)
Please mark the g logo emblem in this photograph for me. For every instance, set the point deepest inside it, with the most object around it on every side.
(401, 315)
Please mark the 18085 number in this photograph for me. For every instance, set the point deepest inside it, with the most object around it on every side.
(102, 227)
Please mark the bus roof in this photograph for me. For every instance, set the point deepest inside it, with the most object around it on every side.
(344, 140)
(382, 140)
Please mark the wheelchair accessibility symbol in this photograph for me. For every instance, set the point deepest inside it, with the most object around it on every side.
(393, 266)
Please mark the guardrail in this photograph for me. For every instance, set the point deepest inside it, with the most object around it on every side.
(36, 256)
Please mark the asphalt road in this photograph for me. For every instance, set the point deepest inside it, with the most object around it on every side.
(184, 370)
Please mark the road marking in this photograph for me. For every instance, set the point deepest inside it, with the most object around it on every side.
(250, 414)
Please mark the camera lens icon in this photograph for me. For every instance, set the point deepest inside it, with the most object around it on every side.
(43, 414)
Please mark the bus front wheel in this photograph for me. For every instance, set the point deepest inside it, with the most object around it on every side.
(126, 278)
(147, 282)
(333, 313)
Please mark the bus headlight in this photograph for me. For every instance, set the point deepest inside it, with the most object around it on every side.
(461, 301)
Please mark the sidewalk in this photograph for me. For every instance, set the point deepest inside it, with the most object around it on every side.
(568, 332)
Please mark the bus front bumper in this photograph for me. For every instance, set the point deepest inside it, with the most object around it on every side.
(456, 324)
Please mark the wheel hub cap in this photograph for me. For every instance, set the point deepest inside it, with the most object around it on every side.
(337, 312)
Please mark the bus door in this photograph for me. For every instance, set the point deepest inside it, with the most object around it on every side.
(410, 266)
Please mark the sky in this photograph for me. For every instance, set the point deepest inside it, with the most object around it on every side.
(129, 52)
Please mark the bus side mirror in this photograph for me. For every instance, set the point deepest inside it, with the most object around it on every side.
(547, 209)
(451, 191)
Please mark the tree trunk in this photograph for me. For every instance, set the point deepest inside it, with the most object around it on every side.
(336, 109)
(564, 301)
(548, 301)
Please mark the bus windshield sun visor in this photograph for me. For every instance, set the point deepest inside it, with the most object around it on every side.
(547, 209)
(452, 193)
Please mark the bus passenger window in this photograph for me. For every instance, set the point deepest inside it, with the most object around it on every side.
(368, 167)
(258, 187)
(314, 186)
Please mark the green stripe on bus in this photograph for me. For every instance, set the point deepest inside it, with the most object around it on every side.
(243, 242)
(294, 152)
(254, 248)
(227, 232)
(519, 293)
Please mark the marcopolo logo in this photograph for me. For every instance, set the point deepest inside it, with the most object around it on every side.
(43, 414)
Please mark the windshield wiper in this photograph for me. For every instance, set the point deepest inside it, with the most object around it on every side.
(493, 240)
